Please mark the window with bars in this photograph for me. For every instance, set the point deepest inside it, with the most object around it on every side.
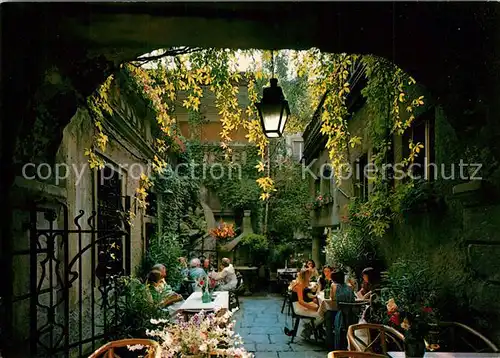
(110, 258)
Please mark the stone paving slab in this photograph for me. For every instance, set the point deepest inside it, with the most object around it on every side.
(260, 323)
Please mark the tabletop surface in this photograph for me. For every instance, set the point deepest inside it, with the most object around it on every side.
(194, 302)
(321, 297)
(448, 355)
(285, 270)
(243, 268)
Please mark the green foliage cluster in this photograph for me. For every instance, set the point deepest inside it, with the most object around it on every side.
(257, 244)
(411, 284)
(288, 213)
(180, 193)
(164, 249)
(350, 249)
(177, 216)
(393, 102)
(134, 310)
(236, 188)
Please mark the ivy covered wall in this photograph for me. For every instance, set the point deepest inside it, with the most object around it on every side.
(458, 239)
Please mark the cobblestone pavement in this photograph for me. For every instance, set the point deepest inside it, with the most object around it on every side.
(260, 322)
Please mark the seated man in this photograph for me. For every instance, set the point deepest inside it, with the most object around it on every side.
(196, 272)
(226, 279)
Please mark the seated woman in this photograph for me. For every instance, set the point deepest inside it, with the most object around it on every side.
(311, 266)
(160, 293)
(370, 283)
(340, 293)
(302, 305)
(226, 278)
(324, 280)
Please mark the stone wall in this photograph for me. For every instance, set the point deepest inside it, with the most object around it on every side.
(77, 192)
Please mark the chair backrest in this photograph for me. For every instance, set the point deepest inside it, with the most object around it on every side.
(352, 354)
(458, 337)
(239, 278)
(151, 348)
(377, 337)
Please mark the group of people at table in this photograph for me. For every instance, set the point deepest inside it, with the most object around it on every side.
(166, 297)
(312, 294)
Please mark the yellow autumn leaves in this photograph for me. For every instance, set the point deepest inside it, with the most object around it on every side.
(98, 106)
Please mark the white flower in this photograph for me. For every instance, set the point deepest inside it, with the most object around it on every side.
(135, 347)
(203, 348)
(158, 321)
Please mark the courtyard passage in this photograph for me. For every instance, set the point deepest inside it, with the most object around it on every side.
(260, 322)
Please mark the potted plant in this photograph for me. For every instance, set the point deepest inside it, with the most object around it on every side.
(410, 294)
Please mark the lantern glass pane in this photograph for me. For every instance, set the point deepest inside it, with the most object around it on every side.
(283, 120)
(271, 115)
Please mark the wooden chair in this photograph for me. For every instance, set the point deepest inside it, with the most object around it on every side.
(383, 335)
(351, 354)
(286, 301)
(457, 337)
(109, 349)
(234, 301)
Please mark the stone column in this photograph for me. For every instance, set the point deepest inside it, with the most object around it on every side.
(247, 222)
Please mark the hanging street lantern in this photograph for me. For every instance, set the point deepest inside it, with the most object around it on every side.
(273, 110)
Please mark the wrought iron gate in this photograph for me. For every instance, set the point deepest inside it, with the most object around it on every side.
(72, 273)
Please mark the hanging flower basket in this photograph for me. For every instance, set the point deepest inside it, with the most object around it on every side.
(223, 232)
(321, 200)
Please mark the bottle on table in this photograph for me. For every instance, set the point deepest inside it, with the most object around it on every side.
(327, 290)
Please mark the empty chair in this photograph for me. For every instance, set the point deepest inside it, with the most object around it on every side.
(117, 349)
(457, 337)
(351, 354)
(234, 301)
(375, 338)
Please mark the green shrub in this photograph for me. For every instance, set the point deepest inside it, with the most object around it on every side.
(165, 250)
(134, 311)
(410, 283)
(257, 245)
(349, 249)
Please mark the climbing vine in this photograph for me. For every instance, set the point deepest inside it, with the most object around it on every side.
(325, 78)
(392, 105)
(98, 106)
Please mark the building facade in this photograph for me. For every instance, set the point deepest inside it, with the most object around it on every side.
(72, 231)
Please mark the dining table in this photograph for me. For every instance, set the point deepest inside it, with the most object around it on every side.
(328, 304)
(194, 303)
(448, 355)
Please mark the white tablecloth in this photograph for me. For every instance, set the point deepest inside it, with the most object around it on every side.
(194, 302)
